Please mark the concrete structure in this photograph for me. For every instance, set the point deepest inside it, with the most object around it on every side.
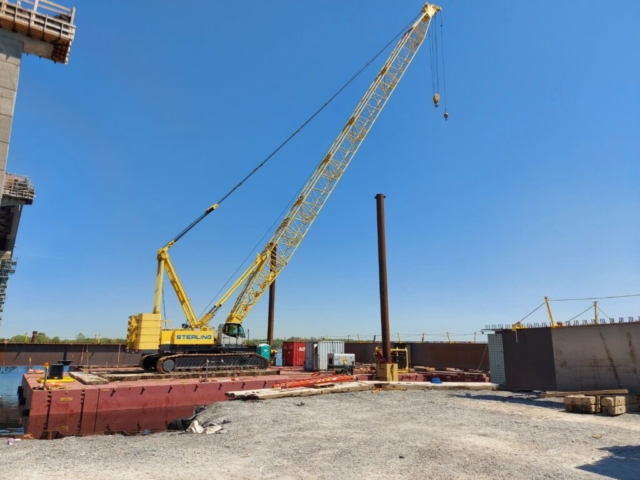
(37, 27)
(570, 358)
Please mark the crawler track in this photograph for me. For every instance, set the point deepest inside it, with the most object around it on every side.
(194, 362)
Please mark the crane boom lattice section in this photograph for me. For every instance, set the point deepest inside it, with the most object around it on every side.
(315, 193)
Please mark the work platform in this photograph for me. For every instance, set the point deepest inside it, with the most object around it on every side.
(107, 402)
(50, 24)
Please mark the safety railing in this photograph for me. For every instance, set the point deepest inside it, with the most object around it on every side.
(41, 20)
(17, 186)
(46, 7)
(569, 323)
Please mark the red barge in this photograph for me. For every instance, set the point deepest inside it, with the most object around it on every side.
(121, 401)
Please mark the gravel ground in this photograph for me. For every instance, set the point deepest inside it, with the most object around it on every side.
(393, 434)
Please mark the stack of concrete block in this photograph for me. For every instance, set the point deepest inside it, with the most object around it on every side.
(619, 404)
(582, 404)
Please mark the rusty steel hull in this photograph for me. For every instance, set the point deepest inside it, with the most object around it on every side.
(465, 356)
(18, 354)
(597, 357)
(150, 405)
(586, 357)
(528, 359)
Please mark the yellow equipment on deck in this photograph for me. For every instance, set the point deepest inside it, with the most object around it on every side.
(400, 357)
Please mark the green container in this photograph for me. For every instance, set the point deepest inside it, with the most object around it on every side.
(264, 350)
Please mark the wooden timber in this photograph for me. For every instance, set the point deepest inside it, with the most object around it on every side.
(621, 391)
(620, 409)
(273, 393)
(142, 375)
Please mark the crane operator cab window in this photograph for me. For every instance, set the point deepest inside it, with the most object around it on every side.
(231, 333)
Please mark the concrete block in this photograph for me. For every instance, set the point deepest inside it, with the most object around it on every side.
(621, 409)
(617, 400)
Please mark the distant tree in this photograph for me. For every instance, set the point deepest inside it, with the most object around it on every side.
(80, 337)
(42, 338)
(17, 339)
(56, 339)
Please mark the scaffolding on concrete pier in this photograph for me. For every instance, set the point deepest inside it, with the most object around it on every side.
(41, 20)
(19, 187)
(7, 267)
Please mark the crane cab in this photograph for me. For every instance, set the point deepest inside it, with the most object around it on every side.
(231, 333)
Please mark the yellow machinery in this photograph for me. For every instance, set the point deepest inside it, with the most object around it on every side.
(400, 356)
(196, 345)
(389, 371)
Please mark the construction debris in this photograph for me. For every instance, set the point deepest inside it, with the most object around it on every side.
(195, 427)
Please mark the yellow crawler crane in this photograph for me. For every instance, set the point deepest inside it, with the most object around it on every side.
(196, 346)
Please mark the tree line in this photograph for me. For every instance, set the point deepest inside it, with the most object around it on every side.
(42, 337)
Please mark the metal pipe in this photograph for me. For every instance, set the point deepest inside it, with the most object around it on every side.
(272, 299)
(382, 262)
(34, 336)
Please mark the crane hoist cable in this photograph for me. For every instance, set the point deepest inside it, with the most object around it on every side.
(290, 137)
(444, 76)
(436, 63)
(284, 210)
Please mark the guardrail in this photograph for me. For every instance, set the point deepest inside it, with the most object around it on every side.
(46, 7)
(43, 21)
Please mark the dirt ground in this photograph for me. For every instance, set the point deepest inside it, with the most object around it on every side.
(392, 434)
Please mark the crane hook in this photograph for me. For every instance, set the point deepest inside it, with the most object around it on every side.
(446, 115)
(436, 100)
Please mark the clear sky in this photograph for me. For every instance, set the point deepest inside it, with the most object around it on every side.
(530, 189)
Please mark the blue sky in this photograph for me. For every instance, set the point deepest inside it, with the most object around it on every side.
(530, 189)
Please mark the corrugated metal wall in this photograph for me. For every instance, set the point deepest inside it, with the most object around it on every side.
(317, 353)
(293, 353)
